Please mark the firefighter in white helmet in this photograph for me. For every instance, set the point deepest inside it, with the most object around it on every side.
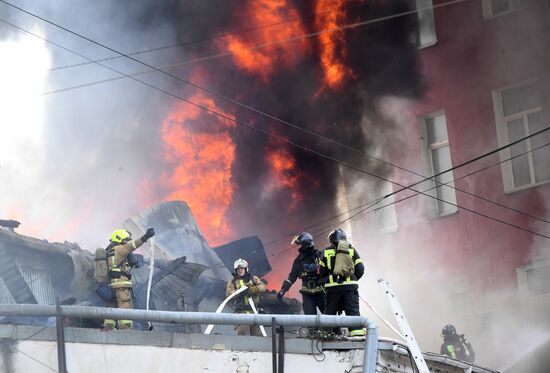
(242, 277)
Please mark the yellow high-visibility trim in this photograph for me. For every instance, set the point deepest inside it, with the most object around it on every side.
(357, 261)
(328, 254)
(357, 333)
(241, 284)
(342, 284)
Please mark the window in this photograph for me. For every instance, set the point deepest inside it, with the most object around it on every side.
(385, 212)
(495, 8)
(437, 158)
(534, 278)
(518, 114)
(426, 24)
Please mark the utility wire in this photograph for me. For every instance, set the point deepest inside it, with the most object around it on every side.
(191, 42)
(304, 148)
(29, 337)
(260, 112)
(370, 204)
(285, 122)
(365, 207)
(472, 161)
(203, 59)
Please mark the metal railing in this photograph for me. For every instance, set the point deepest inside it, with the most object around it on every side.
(371, 340)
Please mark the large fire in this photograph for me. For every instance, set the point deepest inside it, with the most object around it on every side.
(284, 174)
(262, 51)
(329, 15)
(201, 165)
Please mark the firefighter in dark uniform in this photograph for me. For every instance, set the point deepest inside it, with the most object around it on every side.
(306, 266)
(118, 252)
(456, 345)
(342, 292)
(241, 277)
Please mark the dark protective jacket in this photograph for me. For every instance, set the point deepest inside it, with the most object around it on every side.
(306, 267)
(333, 284)
(458, 347)
(255, 287)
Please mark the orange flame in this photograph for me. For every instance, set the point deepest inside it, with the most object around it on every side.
(284, 174)
(202, 166)
(273, 52)
(330, 15)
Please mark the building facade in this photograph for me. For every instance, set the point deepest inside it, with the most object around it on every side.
(478, 246)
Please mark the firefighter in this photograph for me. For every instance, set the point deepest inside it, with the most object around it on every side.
(306, 266)
(242, 277)
(341, 268)
(119, 266)
(456, 345)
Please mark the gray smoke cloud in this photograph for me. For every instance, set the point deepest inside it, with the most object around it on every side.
(99, 154)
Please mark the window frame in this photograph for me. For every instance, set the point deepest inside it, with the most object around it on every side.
(430, 18)
(428, 163)
(523, 284)
(501, 122)
(488, 9)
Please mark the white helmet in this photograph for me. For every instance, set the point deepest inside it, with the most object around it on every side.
(240, 263)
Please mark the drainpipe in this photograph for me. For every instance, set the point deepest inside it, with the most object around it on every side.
(371, 341)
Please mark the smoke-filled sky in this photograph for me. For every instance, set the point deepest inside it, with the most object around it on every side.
(75, 163)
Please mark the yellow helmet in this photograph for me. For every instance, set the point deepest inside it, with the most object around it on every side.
(120, 236)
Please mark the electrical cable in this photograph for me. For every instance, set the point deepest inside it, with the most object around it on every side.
(257, 111)
(191, 42)
(29, 337)
(364, 209)
(203, 59)
(279, 138)
(293, 143)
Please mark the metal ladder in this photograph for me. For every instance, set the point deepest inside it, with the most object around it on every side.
(405, 328)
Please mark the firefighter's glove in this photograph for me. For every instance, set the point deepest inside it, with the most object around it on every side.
(280, 296)
(148, 234)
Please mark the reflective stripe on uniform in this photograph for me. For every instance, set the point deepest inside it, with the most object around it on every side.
(357, 261)
(347, 282)
(451, 350)
(328, 254)
(241, 284)
(357, 333)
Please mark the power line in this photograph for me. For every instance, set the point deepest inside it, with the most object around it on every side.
(304, 148)
(283, 121)
(370, 204)
(475, 172)
(270, 116)
(191, 42)
(203, 59)
(472, 161)
(29, 337)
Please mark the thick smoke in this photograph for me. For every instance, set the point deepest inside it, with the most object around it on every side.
(101, 153)
(383, 59)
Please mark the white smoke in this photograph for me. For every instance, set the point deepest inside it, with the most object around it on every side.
(73, 163)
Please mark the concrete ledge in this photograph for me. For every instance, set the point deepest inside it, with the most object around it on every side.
(175, 340)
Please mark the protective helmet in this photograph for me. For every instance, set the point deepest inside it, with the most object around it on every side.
(304, 240)
(120, 236)
(448, 330)
(337, 235)
(240, 263)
